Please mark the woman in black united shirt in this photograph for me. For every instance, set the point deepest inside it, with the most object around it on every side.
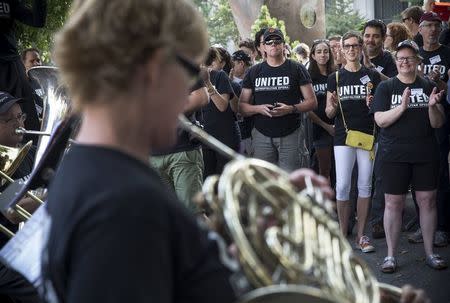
(355, 85)
(321, 65)
(219, 119)
(407, 110)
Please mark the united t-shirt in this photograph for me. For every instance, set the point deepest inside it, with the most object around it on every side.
(437, 60)
(385, 64)
(411, 138)
(320, 89)
(353, 90)
(277, 84)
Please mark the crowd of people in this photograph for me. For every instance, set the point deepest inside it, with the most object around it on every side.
(370, 108)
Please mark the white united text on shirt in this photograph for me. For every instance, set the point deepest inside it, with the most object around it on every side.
(352, 92)
(272, 83)
(415, 101)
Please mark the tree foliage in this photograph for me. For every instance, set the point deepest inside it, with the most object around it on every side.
(341, 17)
(42, 38)
(265, 20)
(219, 20)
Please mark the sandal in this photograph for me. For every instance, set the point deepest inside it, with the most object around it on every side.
(436, 262)
(389, 265)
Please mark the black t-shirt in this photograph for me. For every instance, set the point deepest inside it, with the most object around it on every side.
(353, 90)
(277, 84)
(437, 60)
(411, 138)
(118, 234)
(22, 172)
(418, 39)
(320, 89)
(385, 64)
(184, 139)
(222, 125)
(11, 10)
(444, 37)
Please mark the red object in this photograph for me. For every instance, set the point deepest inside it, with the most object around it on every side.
(442, 9)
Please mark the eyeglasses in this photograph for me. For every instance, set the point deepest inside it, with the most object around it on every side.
(191, 68)
(272, 42)
(430, 25)
(321, 41)
(349, 46)
(20, 118)
(406, 59)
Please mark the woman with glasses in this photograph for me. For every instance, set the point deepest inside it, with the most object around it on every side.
(320, 67)
(407, 110)
(396, 32)
(348, 94)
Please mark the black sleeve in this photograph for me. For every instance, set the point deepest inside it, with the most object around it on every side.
(199, 84)
(331, 83)
(236, 88)
(382, 98)
(302, 74)
(390, 69)
(33, 17)
(444, 37)
(223, 85)
(249, 78)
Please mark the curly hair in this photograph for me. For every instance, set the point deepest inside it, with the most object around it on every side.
(398, 32)
(105, 42)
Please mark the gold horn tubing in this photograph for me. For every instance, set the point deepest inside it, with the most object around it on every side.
(23, 131)
(29, 194)
(22, 212)
(6, 231)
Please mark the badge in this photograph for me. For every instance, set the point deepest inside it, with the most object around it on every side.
(369, 87)
(435, 59)
(364, 79)
(379, 68)
(416, 91)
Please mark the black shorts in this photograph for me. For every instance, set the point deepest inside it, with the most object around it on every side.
(397, 176)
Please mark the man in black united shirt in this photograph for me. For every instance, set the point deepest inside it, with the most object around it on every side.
(12, 72)
(374, 34)
(281, 89)
(436, 64)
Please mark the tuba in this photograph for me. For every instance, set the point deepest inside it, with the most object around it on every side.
(289, 244)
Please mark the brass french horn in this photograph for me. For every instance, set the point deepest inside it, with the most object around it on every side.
(288, 242)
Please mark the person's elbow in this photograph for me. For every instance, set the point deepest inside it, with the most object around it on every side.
(378, 117)
(311, 104)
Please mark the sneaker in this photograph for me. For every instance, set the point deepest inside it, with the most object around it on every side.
(440, 239)
(378, 231)
(365, 246)
(389, 265)
(416, 237)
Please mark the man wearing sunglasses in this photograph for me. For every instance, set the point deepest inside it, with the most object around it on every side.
(280, 89)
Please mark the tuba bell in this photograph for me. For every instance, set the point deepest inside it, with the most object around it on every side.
(288, 243)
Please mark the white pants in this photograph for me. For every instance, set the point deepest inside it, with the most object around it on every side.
(345, 157)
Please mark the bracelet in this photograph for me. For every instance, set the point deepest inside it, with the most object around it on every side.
(212, 92)
(294, 109)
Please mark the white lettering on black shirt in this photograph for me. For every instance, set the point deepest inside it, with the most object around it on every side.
(415, 101)
(4, 9)
(272, 83)
(352, 92)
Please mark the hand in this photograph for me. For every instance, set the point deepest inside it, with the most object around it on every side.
(329, 128)
(281, 109)
(204, 74)
(435, 97)
(369, 99)
(334, 100)
(405, 98)
(265, 110)
(298, 177)
(434, 76)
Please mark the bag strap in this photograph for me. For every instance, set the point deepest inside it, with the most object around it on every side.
(339, 101)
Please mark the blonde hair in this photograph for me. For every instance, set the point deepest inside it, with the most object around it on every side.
(103, 43)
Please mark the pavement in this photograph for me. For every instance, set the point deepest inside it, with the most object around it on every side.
(411, 268)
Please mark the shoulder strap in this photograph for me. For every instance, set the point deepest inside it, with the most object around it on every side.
(339, 101)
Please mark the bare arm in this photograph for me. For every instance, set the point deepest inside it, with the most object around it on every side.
(389, 117)
(196, 100)
(315, 119)
(234, 103)
(246, 109)
(332, 103)
(309, 99)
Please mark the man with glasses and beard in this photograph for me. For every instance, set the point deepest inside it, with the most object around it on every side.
(280, 89)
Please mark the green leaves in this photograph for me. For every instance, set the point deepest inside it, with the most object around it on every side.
(336, 24)
(265, 20)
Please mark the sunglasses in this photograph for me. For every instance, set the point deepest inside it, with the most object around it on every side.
(272, 42)
(191, 68)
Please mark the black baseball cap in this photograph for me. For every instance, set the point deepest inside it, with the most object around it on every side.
(273, 32)
(7, 101)
(241, 56)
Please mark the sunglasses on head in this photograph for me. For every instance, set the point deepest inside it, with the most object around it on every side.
(272, 42)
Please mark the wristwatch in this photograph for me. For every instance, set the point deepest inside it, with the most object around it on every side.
(294, 109)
